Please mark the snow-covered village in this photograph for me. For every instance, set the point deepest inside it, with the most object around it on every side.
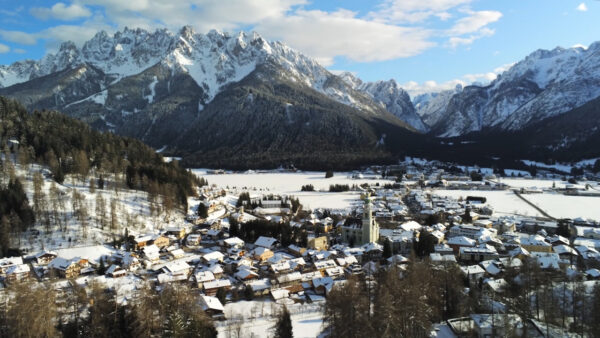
(299, 169)
(505, 252)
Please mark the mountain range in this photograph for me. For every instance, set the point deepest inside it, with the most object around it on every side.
(241, 101)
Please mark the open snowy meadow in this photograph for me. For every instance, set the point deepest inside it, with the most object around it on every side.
(287, 183)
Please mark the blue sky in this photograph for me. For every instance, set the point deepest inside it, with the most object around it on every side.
(424, 45)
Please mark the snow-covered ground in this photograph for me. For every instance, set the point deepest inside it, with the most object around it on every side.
(563, 206)
(287, 183)
(133, 213)
(256, 319)
(504, 201)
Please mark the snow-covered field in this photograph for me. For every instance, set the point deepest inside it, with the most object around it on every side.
(286, 183)
(256, 319)
(537, 183)
(504, 202)
(562, 206)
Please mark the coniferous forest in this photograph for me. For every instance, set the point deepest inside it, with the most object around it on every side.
(68, 146)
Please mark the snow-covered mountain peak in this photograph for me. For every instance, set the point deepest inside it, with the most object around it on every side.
(213, 60)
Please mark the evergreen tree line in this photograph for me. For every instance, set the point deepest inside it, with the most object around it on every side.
(38, 311)
(396, 304)
(69, 146)
(16, 215)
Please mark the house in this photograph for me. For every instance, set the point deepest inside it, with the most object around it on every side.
(202, 277)
(436, 258)
(193, 239)
(161, 241)
(260, 287)
(262, 254)
(278, 294)
(289, 279)
(19, 272)
(8, 262)
(496, 285)
(177, 268)
(212, 306)
(318, 243)
(336, 272)
(216, 269)
(214, 256)
(265, 242)
(350, 270)
(535, 243)
(65, 268)
(177, 253)
(458, 242)
(178, 233)
(115, 271)
(281, 267)
(473, 273)
(130, 261)
(324, 265)
(547, 260)
(151, 252)
(245, 274)
(141, 241)
(45, 257)
(485, 325)
(483, 252)
(296, 250)
(322, 285)
(211, 288)
(234, 242)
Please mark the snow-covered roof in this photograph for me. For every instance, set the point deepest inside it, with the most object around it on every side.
(461, 240)
(219, 283)
(204, 276)
(18, 269)
(472, 270)
(234, 241)
(211, 303)
(178, 266)
(265, 242)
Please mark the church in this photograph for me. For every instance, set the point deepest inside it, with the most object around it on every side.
(367, 232)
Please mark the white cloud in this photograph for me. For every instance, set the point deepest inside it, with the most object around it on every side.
(61, 11)
(582, 7)
(456, 41)
(412, 11)
(4, 49)
(19, 37)
(395, 29)
(202, 14)
(414, 88)
(19, 51)
(341, 33)
(78, 34)
(474, 22)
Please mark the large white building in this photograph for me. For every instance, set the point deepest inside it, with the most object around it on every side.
(367, 232)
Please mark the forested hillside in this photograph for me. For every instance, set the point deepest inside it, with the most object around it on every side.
(68, 146)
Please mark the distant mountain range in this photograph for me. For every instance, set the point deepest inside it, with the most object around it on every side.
(241, 101)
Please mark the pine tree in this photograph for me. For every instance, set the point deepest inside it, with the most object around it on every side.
(202, 210)
(114, 219)
(387, 249)
(283, 328)
(92, 186)
(100, 211)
